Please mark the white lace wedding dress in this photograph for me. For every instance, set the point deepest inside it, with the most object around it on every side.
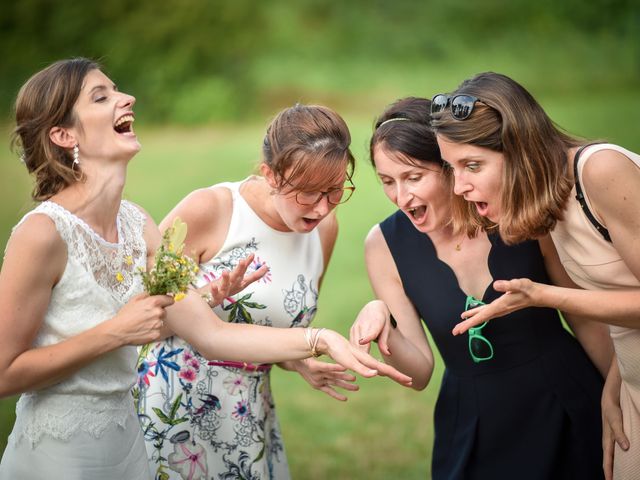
(85, 427)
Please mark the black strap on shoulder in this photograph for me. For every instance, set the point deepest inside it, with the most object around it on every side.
(582, 201)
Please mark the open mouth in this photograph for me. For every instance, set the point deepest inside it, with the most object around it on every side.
(417, 213)
(311, 222)
(482, 208)
(124, 124)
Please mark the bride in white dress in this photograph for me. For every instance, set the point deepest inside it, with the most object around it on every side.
(71, 307)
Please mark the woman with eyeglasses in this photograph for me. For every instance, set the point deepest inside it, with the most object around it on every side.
(519, 396)
(285, 218)
(519, 171)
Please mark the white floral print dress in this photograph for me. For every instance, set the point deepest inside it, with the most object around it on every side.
(211, 420)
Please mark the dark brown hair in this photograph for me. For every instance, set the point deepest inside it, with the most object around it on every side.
(404, 130)
(45, 101)
(535, 181)
(310, 144)
(405, 127)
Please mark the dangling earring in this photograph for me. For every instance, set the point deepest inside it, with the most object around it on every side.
(76, 155)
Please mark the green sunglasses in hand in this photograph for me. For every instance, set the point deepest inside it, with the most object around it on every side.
(480, 347)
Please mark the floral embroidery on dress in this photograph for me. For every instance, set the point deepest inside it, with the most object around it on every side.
(230, 260)
(190, 461)
(229, 411)
(238, 309)
(193, 411)
(295, 302)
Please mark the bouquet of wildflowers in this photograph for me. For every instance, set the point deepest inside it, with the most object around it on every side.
(173, 271)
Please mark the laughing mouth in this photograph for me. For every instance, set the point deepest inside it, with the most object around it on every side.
(124, 124)
(417, 212)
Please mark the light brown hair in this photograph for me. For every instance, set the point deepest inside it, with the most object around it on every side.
(45, 101)
(307, 146)
(535, 180)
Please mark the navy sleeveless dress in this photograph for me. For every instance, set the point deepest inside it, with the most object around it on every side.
(533, 410)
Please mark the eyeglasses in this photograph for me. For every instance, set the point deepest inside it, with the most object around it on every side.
(461, 104)
(335, 196)
(480, 348)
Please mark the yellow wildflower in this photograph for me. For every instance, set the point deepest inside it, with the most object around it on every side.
(119, 277)
(172, 271)
(128, 260)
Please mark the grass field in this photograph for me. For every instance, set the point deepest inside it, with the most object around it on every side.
(383, 431)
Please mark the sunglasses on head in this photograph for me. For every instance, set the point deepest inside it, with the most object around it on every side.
(480, 347)
(461, 105)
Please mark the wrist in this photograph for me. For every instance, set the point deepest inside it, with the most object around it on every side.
(289, 365)
(322, 342)
(108, 338)
(542, 295)
(205, 294)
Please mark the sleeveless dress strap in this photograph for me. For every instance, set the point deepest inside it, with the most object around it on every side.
(580, 197)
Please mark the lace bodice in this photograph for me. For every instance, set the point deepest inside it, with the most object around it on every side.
(99, 278)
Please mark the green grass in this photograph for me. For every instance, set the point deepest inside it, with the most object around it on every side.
(383, 431)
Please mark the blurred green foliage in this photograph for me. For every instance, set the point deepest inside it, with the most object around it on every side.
(194, 61)
(229, 65)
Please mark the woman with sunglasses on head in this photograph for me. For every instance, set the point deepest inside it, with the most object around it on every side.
(520, 172)
(285, 218)
(72, 308)
(519, 397)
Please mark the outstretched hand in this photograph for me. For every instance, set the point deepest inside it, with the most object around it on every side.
(518, 295)
(371, 324)
(352, 358)
(233, 281)
(326, 377)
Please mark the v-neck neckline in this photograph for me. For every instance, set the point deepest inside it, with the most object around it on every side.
(452, 273)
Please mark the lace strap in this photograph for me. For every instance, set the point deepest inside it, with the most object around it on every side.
(57, 214)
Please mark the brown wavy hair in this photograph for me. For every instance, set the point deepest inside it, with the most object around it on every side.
(404, 130)
(45, 101)
(311, 145)
(535, 180)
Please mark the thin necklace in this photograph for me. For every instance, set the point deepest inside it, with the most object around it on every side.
(459, 244)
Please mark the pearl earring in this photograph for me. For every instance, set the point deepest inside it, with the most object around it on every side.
(76, 155)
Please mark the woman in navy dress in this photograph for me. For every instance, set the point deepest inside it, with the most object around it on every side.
(520, 397)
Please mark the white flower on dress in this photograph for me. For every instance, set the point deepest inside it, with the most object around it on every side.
(234, 383)
(189, 460)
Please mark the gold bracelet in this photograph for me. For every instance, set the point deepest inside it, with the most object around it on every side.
(314, 346)
(307, 336)
(207, 297)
